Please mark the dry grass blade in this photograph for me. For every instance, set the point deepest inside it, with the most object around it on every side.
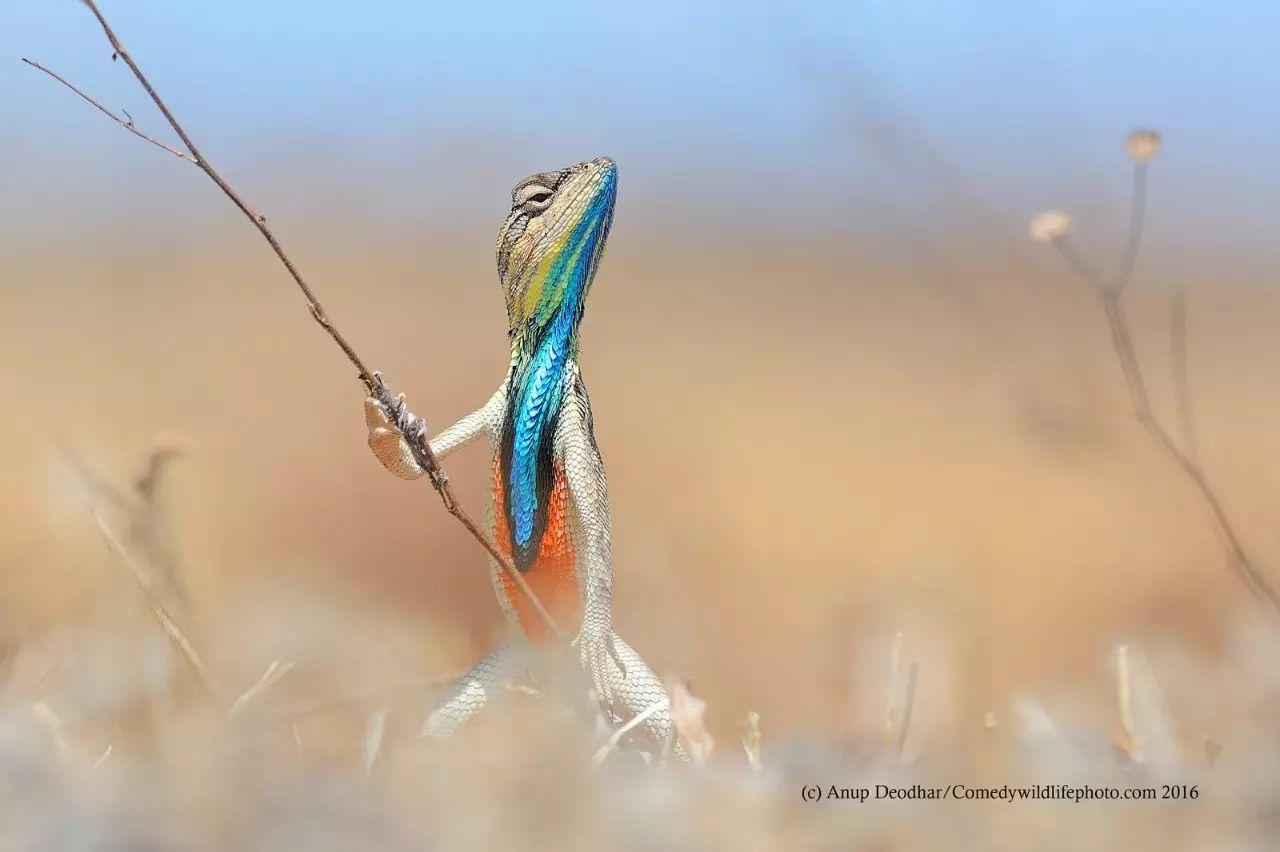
(751, 740)
(375, 730)
(139, 512)
(1124, 698)
(177, 636)
(1147, 722)
(270, 677)
(608, 748)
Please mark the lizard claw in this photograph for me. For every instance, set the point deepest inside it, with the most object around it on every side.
(388, 443)
(601, 662)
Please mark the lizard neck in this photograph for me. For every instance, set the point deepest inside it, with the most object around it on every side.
(541, 377)
(554, 342)
(546, 272)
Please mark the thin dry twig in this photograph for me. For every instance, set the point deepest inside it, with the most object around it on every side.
(177, 636)
(100, 489)
(126, 123)
(1181, 383)
(371, 379)
(1110, 293)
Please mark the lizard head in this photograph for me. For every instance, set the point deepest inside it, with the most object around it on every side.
(550, 245)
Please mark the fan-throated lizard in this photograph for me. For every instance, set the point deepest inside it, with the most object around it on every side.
(549, 510)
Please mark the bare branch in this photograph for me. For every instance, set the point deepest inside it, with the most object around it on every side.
(127, 125)
(372, 380)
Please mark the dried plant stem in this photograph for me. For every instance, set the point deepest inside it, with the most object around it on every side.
(125, 123)
(372, 380)
(908, 705)
(891, 694)
(168, 623)
(1110, 294)
(1181, 386)
(1137, 218)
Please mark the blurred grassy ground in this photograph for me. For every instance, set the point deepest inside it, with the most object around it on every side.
(800, 445)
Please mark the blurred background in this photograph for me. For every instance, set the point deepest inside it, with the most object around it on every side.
(841, 396)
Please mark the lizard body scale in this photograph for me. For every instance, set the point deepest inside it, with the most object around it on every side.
(549, 510)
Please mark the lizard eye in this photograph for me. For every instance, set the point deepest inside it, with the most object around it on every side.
(531, 198)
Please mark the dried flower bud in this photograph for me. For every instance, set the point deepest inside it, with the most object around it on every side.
(1049, 226)
(1142, 145)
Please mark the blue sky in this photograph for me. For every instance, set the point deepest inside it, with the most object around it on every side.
(764, 110)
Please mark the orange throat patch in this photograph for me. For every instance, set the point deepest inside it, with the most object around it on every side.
(553, 575)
